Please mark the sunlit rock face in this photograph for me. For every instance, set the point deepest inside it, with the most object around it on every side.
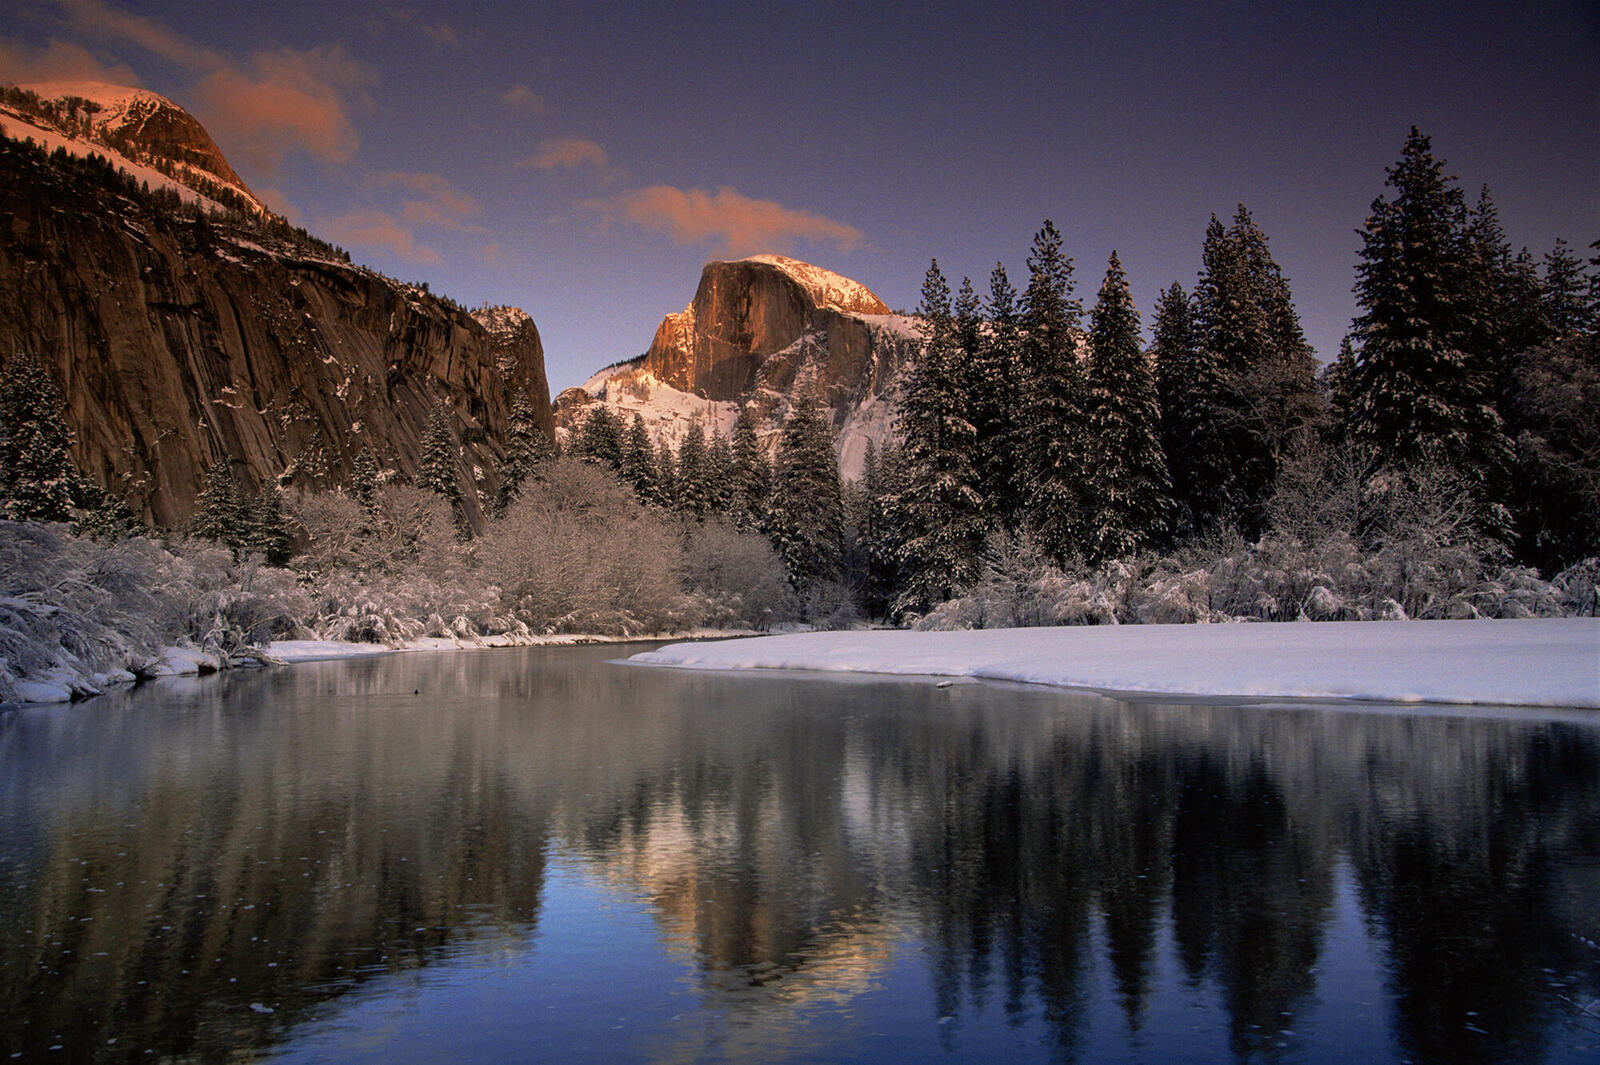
(179, 339)
(762, 332)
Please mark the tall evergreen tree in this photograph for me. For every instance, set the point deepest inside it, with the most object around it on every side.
(807, 516)
(943, 507)
(666, 474)
(364, 480)
(1126, 482)
(1424, 388)
(639, 466)
(1255, 380)
(1174, 350)
(883, 527)
(599, 437)
(436, 471)
(1053, 399)
(526, 450)
(36, 471)
(719, 467)
(1566, 292)
(221, 514)
(749, 476)
(267, 528)
(996, 383)
(693, 492)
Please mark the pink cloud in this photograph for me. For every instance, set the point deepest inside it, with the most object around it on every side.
(436, 201)
(60, 61)
(740, 224)
(141, 30)
(379, 229)
(565, 153)
(521, 98)
(285, 99)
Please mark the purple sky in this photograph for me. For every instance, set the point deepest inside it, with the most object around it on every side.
(583, 161)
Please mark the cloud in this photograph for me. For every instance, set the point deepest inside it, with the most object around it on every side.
(565, 153)
(436, 201)
(740, 225)
(379, 229)
(286, 99)
(260, 109)
(60, 61)
(521, 98)
(439, 32)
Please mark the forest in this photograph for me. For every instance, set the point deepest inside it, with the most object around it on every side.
(1050, 468)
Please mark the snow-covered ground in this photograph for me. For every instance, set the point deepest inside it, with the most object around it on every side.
(1536, 662)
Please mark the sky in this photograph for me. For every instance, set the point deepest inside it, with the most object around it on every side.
(583, 161)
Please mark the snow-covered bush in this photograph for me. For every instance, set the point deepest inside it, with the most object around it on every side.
(736, 577)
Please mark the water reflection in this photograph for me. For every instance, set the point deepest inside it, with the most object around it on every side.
(205, 866)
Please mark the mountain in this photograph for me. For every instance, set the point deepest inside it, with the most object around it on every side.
(760, 332)
(185, 323)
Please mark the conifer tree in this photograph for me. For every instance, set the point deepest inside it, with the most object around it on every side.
(364, 480)
(749, 476)
(883, 526)
(942, 504)
(1126, 482)
(807, 515)
(599, 437)
(1053, 399)
(436, 470)
(666, 474)
(220, 511)
(1257, 375)
(36, 471)
(267, 528)
(1175, 352)
(996, 394)
(526, 449)
(1424, 389)
(693, 493)
(719, 466)
(639, 467)
(1566, 293)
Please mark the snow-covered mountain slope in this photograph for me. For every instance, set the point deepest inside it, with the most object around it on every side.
(139, 131)
(759, 333)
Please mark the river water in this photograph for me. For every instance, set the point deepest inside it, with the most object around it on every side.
(542, 855)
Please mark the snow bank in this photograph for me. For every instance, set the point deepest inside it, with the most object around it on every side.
(1541, 662)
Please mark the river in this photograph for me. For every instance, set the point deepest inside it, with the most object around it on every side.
(540, 854)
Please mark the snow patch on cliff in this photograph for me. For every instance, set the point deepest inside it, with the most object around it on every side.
(826, 288)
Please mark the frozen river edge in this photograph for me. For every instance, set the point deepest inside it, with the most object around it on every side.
(1537, 662)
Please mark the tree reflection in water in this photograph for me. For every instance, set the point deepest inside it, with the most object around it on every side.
(177, 861)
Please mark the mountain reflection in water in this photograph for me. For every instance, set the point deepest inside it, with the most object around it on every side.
(199, 868)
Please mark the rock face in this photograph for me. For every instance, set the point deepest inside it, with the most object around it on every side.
(759, 333)
(180, 339)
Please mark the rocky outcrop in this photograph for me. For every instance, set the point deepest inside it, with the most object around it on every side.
(759, 333)
(179, 339)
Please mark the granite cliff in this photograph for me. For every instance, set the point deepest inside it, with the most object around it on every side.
(759, 333)
(181, 335)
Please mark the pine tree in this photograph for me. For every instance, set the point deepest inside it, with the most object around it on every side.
(36, 470)
(1126, 483)
(638, 466)
(996, 393)
(1423, 390)
(599, 437)
(1566, 292)
(883, 526)
(267, 528)
(693, 493)
(526, 450)
(666, 474)
(220, 511)
(1255, 379)
(719, 466)
(1174, 350)
(364, 480)
(1053, 399)
(807, 515)
(749, 477)
(943, 506)
(436, 470)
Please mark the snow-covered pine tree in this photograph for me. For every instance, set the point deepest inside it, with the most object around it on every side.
(1053, 460)
(220, 511)
(693, 493)
(719, 463)
(526, 449)
(1174, 351)
(1566, 292)
(1126, 481)
(1256, 378)
(749, 477)
(1423, 393)
(807, 514)
(996, 394)
(436, 468)
(883, 526)
(267, 527)
(666, 474)
(942, 504)
(639, 463)
(36, 471)
(364, 480)
(599, 437)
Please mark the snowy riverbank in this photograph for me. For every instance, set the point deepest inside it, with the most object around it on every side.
(1534, 662)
